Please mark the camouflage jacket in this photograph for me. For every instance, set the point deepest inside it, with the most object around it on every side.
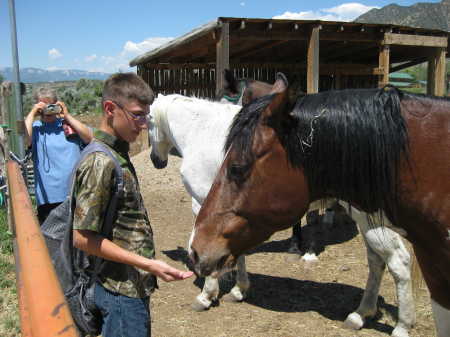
(132, 230)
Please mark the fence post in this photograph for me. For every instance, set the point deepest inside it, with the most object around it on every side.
(8, 109)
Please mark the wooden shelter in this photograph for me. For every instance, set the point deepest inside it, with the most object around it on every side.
(315, 55)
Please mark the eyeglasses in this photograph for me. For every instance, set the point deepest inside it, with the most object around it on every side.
(142, 118)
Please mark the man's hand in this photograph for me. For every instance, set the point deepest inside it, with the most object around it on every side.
(167, 273)
(63, 106)
(37, 108)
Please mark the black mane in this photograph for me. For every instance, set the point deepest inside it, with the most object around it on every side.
(243, 127)
(357, 145)
(350, 143)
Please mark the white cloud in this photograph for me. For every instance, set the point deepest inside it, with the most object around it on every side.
(135, 48)
(52, 68)
(90, 58)
(54, 54)
(345, 12)
(119, 62)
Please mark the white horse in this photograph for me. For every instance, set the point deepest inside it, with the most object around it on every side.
(197, 129)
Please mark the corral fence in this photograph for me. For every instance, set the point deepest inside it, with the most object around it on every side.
(42, 305)
(199, 80)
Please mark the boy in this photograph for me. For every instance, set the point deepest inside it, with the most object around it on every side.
(128, 274)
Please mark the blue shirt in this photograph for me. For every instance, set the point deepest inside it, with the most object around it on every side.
(54, 157)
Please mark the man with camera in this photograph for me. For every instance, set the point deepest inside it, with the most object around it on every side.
(56, 139)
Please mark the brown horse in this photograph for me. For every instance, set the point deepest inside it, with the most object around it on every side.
(384, 151)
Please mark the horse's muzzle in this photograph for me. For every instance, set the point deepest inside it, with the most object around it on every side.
(157, 163)
(207, 265)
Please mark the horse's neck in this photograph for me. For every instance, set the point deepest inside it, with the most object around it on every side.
(189, 123)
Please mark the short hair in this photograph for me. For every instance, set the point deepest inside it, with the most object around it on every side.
(45, 92)
(124, 87)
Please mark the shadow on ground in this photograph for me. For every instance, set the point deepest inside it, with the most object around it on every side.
(282, 294)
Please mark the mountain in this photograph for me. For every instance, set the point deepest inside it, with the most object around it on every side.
(421, 15)
(33, 75)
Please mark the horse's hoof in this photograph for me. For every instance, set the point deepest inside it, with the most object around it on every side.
(231, 298)
(400, 332)
(235, 295)
(353, 321)
(310, 260)
(199, 307)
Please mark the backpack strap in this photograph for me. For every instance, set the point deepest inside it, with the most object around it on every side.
(96, 146)
(110, 213)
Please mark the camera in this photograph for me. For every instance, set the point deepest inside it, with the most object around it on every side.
(52, 109)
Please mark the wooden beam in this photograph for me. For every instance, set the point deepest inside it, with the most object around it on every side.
(408, 64)
(414, 40)
(436, 72)
(383, 63)
(222, 56)
(312, 68)
(300, 34)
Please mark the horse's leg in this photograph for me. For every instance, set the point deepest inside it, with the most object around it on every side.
(209, 294)
(399, 264)
(387, 248)
(296, 239)
(441, 319)
(295, 243)
(368, 305)
(438, 286)
(240, 290)
(313, 221)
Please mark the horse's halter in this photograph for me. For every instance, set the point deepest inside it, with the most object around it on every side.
(237, 100)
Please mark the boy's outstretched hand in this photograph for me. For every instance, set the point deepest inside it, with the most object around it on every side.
(167, 273)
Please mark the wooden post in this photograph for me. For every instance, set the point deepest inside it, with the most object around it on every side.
(312, 68)
(222, 56)
(436, 72)
(383, 64)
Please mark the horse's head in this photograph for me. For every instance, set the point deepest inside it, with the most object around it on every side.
(256, 191)
(157, 135)
(243, 91)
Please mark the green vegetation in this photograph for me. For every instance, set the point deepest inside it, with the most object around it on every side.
(81, 97)
(6, 246)
(1, 78)
(419, 75)
(9, 313)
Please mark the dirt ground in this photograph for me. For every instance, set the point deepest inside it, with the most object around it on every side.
(286, 299)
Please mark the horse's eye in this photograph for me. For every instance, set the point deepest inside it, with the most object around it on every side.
(238, 173)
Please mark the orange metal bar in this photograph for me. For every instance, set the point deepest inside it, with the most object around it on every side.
(24, 314)
(44, 300)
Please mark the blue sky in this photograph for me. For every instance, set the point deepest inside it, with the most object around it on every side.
(104, 35)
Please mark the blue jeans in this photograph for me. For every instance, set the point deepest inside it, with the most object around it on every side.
(122, 316)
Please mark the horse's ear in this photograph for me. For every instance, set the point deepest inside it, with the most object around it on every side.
(278, 108)
(230, 81)
(280, 85)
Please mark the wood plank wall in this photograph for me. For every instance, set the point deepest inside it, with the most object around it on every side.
(200, 79)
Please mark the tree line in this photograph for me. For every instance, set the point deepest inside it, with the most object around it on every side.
(81, 97)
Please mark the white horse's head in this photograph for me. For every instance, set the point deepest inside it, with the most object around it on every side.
(158, 137)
